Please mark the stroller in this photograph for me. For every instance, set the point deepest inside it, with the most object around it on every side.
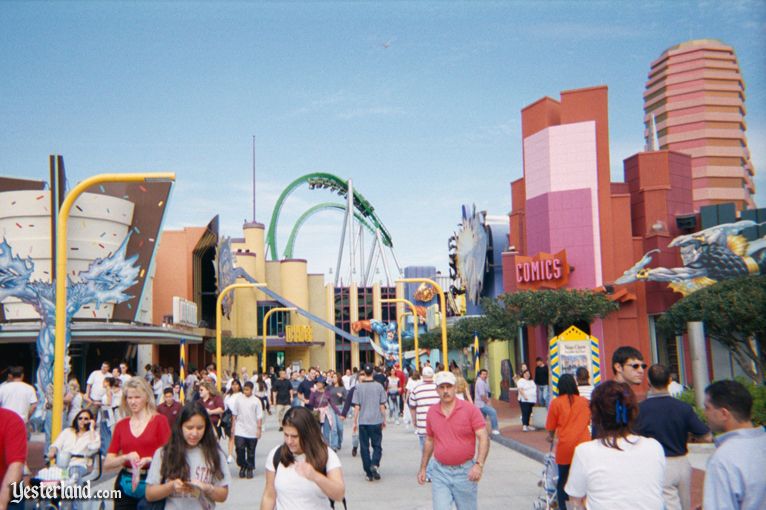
(60, 474)
(550, 477)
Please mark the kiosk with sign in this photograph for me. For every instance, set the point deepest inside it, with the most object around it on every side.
(571, 350)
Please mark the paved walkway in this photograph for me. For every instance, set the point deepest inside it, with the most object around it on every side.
(509, 481)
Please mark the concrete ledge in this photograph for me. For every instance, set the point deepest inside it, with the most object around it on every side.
(527, 451)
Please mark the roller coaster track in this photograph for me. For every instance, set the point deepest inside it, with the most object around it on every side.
(335, 184)
(324, 206)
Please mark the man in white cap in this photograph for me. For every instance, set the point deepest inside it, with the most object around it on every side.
(452, 428)
(421, 399)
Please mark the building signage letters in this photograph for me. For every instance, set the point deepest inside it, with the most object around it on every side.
(298, 334)
(544, 270)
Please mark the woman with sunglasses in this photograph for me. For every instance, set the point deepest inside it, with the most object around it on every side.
(77, 443)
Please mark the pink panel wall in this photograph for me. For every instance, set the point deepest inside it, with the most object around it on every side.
(564, 220)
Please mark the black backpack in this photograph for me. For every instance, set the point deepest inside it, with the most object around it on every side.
(277, 458)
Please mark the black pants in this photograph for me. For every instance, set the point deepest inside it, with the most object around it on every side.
(561, 495)
(125, 502)
(370, 436)
(265, 404)
(245, 451)
(526, 412)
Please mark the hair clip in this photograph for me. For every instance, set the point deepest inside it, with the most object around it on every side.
(621, 413)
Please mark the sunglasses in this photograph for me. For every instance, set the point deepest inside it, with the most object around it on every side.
(81, 418)
(636, 366)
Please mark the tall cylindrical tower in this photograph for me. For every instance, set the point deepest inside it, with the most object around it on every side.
(695, 103)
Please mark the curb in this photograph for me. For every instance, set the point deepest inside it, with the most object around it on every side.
(520, 447)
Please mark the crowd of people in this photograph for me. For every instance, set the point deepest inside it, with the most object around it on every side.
(173, 440)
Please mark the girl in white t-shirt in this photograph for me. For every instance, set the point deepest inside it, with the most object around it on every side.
(527, 398)
(234, 392)
(190, 471)
(618, 470)
(412, 383)
(303, 472)
(392, 390)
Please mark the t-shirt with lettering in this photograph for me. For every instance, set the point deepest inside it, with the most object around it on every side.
(198, 470)
(155, 435)
(293, 490)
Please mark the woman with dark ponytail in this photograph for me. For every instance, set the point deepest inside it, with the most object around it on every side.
(617, 470)
(569, 421)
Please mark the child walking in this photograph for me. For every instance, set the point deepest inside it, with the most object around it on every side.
(190, 471)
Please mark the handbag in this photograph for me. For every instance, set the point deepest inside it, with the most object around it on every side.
(125, 481)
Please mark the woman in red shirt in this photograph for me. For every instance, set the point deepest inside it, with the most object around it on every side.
(569, 419)
(134, 441)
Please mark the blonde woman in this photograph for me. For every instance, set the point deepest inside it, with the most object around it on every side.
(461, 386)
(75, 404)
(134, 441)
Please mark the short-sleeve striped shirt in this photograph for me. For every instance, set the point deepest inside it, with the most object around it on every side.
(422, 398)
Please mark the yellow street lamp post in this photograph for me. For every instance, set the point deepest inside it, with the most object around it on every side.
(219, 319)
(266, 326)
(414, 314)
(59, 351)
(443, 307)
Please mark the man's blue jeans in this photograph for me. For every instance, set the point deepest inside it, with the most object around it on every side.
(451, 483)
(371, 436)
(422, 439)
(489, 411)
(543, 395)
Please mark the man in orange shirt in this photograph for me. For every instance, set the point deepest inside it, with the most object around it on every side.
(569, 419)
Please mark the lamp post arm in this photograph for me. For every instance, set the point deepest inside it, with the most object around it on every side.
(59, 346)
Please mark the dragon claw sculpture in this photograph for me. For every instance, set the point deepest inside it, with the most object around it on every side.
(710, 255)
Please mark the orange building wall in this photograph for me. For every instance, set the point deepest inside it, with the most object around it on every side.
(174, 271)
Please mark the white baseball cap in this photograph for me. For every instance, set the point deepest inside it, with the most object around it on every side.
(445, 378)
(428, 373)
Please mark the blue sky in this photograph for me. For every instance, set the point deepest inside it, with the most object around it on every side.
(418, 102)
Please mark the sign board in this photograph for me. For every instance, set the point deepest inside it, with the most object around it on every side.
(184, 312)
(543, 271)
(571, 350)
(298, 334)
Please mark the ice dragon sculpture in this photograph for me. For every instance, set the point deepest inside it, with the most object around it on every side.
(105, 281)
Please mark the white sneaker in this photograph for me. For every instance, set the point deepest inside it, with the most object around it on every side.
(524, 428)
(495, 432)
(229, 459)
(531, 429)
(397, 422)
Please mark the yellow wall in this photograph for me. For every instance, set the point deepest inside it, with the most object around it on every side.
(329, 335)
(497, 350)
(274, 275)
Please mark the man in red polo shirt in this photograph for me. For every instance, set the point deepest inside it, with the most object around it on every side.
(452, 428)
(13, 454)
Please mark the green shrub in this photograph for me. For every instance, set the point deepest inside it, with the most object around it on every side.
(758, 392)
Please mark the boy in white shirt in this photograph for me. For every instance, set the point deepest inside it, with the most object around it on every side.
(247, 424)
